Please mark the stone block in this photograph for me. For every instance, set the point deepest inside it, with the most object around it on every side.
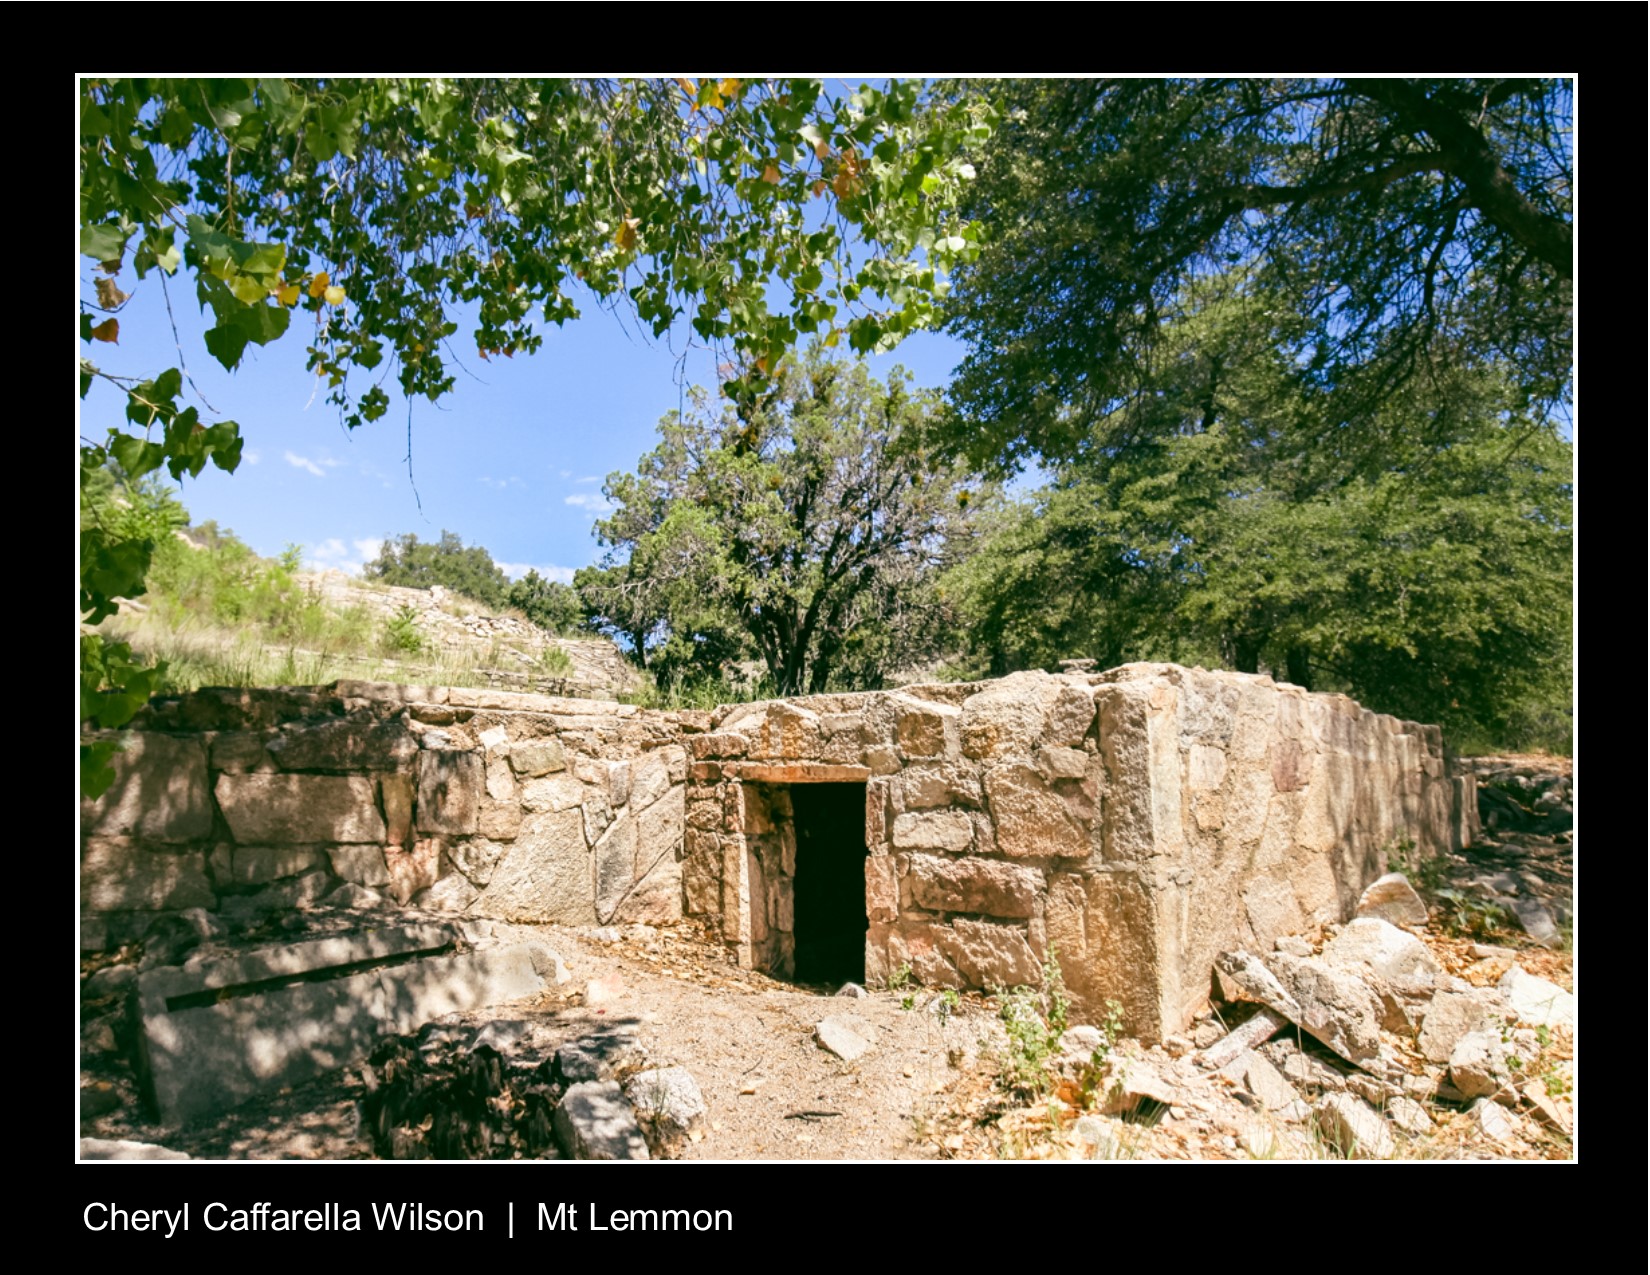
(254, 865)
(1031, 819)
(199, 1059)
(412, 868)
(923, 729)
(241, 750)
(594, 1122)
(364, 865)
(546, 875)
(934, 830)
(1392, 898)
(283, 809)
(159, 792)
(668, 1106)
(534, 758)
(449, 792)
(396, 792)
(117, 874)
(345, 744)
(989, 955)
(974, 885)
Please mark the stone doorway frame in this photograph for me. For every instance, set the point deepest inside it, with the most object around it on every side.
(759, 864)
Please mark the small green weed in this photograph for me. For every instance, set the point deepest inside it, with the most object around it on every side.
(401, 632)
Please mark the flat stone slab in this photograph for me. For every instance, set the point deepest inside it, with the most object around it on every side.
(207, 1050)
(121, 1149)
(1537, 1001)
(595, 1122)
(845, 1035)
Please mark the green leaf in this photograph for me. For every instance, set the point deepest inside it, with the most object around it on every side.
(226, 343)
(136, 456)
(103, 242)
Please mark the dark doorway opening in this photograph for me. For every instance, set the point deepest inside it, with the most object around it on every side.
(829, 821)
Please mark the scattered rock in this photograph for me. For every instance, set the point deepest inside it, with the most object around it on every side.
(1399, 958)
(1492, 1121)
(1131, 1082)
(112, 980)
(119, 1149)
(170, 938)
(845, 1035)
(668, 1106)
(1099, 1137)
(594, 1122)
(851, 989)
(351, 895)
(1484, 1064)
(1264, 1080)
(1292, 945)
(1537, 1001)
(503, 1035)
(1335, 1006)
(599, 1056)
(1409, 1116)
(1451, 1015)
(1550, 1111)
(1354, 1127)
(1392, 898)
(1535, 921)
(607, 934)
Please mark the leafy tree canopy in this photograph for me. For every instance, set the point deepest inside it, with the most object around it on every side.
(547, 603)
(416, 564)
(806, 530)
(1429, 579)
(1411, 223)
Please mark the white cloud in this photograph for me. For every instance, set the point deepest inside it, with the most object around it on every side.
(593, 478)
(515, 570)
(250, 458)
(567, 473)
(499, 484)
(333, 554)
(592, 501)
(304, 462)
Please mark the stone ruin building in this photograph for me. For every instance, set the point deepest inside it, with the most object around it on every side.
(1134, 823)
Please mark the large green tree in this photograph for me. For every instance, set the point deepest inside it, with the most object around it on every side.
(383, 210)
(806, 528)
(1413, 224)
(1430, 577)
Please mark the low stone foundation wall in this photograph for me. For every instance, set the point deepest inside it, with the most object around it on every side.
(1134, 822)
(514, 806)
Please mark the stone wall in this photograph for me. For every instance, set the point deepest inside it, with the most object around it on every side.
(514, 806)
(1135, 822)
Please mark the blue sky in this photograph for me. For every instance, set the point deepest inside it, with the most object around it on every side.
(513, 459)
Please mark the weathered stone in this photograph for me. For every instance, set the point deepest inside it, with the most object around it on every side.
(1062, 763)
(1219, 1047)
(974, 885)
(1205, 767)
(159, 792)
(546, 875)
(1030, 818)
(654, 895)
(1335, 1006)
(254, 865)
(1133, 1080)
(649, 780)
(1351, 1125)
(1069, 717)
(853, 991)
(363, 865)
(599, 1056)
(1392, 898)
(1240, 976)
(1399, 958)
(1290, 767)
(412, 868)
(453, 893)
(989, 955)
(594, 1122)
(881, 889)
(933, 830)
(668, 1106)
(500, 782)
(1554, 1112)
(1479, 1064)
(124, 1149)
(1266, 1082)
(476, 858)
(1009, 717)
(847, 1036)
(347, 744)
(396, 793)
(1494, 1122)
(1409, 1116)
(1451, 1015)
(533, 758)
(119, 875)
(923, 729)
(112, 980)
(168, 939)
(353, 895)
(241, 750)
(1537, 1001)
(449, 792)
(604, 991)
(555, 793)
(208, 1057)
(282, 809)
